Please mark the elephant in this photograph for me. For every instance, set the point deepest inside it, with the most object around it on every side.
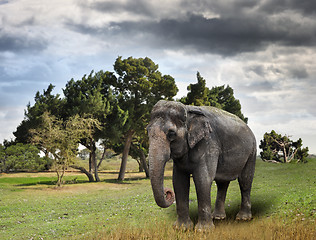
(208, 144)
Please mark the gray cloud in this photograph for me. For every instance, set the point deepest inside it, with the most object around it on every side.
(19, 40)
(2, 2)
(17, 37)
(276, 6)
(298, 72)
(20, 44)
(240, 27)
(141, 7)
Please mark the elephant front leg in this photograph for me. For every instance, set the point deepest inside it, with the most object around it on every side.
(203, 183)
(181, 185)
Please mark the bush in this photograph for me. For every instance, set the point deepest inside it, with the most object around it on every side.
(22, 157)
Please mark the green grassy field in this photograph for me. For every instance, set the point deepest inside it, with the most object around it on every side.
(283, 199)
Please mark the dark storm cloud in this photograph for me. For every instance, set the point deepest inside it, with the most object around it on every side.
(232, 27)
(225, 8)
(221, 36)
(224, 36)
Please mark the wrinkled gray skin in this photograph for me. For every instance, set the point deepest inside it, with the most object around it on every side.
(207, 143)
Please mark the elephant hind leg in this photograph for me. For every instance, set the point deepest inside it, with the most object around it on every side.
(245, 183)
(219, 211)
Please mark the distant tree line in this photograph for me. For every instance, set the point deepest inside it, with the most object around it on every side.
(110, 108)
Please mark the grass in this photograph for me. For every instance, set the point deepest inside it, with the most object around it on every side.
(283, 199)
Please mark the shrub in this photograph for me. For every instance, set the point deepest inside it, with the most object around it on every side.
(22, 157)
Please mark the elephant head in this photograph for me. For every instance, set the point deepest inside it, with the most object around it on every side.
(173, 130)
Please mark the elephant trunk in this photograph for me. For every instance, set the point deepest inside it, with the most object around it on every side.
(159, 154)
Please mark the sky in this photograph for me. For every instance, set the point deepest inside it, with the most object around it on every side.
(265, 50)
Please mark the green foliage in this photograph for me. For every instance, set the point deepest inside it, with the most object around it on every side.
(92, 96)
(302, 154)
(46, 102)
(198, 93)
(61, 138)
(22, 157)
(221, 97)
(139, 85)
(281, 148)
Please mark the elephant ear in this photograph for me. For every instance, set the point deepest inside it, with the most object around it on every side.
(198, 127)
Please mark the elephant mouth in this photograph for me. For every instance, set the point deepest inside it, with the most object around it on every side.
(169, 195)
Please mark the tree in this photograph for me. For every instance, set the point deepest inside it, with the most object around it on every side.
(221, 97)
(278, 148)
(43, 103)
(139, 85)
(197, 93)
(92, 95)
(22, 157)
(61, 138)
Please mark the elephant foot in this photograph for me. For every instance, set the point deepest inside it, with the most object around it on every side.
(219, 215)
(183, 225)
(244, 216)
(204, 227)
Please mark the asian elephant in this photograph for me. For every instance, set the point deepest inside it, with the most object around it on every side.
(207, 143)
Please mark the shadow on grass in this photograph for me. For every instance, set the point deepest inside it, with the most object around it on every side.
(52, 182)
(36, 183)
(75, 180)
(262, 206)
(131, 180)
(116, 181)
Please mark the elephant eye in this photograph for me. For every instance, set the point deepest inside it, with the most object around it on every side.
(171, 135)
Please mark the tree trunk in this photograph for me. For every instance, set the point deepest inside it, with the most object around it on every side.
(60, 176)
(140, 166)
(58, 179)
(96, 174)
(293, 155)
(143, 163)
(127, 146)
(90, 162)
(102, 158)
(94, 165)
(83, 170)
(284, 154)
